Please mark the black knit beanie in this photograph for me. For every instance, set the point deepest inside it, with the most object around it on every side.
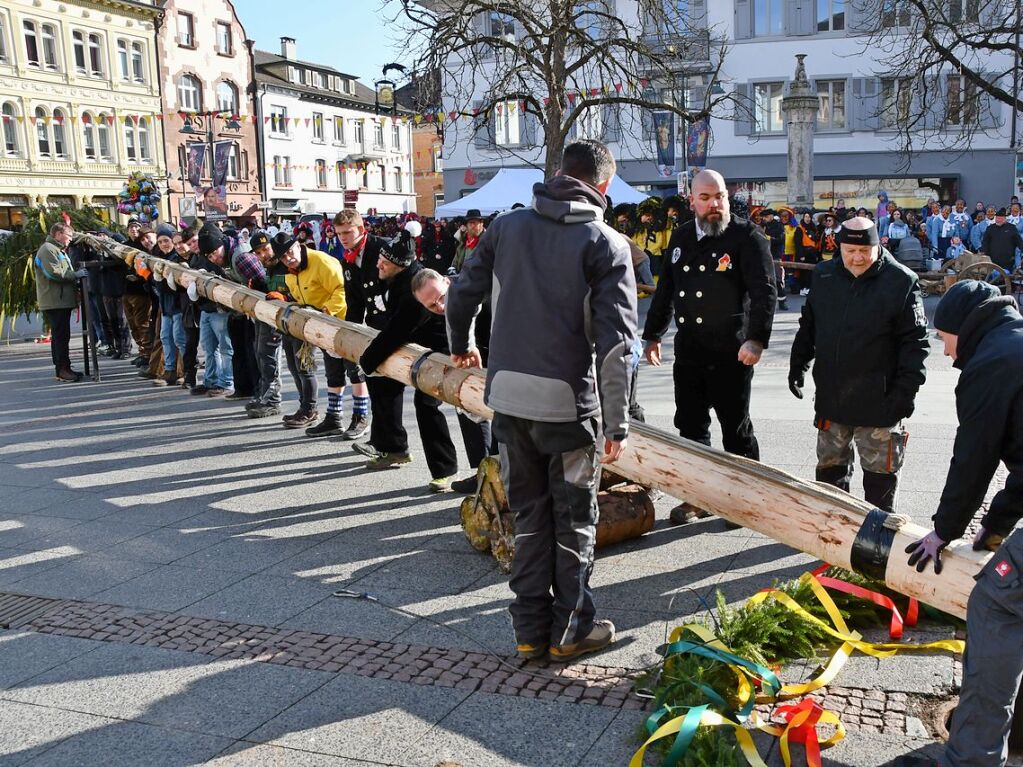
(961, 299)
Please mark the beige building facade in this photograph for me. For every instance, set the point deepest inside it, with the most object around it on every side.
(79, 103)
(206, 72)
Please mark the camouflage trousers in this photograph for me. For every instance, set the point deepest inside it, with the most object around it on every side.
(882, 451)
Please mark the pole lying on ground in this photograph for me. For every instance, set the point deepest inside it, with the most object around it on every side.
(811, 517)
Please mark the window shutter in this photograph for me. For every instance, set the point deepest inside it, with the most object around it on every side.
(481, 28)
(800, 17)
(743, 109)
(697, 14)
(865, 103)
(989, 108)
(862, 16)
(482, 127)
(936, 106)
(743, 21)
(612, 123)
(992, 12)
(530, 130)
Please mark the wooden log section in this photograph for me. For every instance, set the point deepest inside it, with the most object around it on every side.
(811, 517)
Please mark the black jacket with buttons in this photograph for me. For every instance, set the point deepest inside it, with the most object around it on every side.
(867, 338)
(363, 285)
(720, 290)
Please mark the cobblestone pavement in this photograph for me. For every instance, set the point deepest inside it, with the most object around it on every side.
(194, 553)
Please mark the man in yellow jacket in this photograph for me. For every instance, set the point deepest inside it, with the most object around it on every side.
(652, 233)
(315, 280)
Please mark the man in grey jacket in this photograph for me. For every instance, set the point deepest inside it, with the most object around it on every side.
(563, 299)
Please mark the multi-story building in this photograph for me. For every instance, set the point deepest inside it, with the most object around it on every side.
(856, 146)
(422, 97)
(206, 72)
(80, 103)
(325, 147)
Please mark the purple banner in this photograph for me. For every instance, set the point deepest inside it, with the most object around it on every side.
(221, 158)
(697, 140)
(196, 161)
(664, 141)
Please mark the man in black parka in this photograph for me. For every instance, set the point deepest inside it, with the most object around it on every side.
(983, 334)
(406, 321)
(863, 325)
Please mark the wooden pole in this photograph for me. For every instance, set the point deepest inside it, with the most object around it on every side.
(809, 516)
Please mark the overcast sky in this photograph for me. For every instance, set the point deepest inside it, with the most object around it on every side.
(353, 36)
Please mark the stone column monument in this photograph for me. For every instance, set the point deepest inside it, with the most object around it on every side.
(799, 107)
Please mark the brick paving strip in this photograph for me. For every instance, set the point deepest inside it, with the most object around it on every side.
(590, 685)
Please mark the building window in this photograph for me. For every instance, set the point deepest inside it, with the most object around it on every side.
(9, 116)
(186, 29)
(590, 124)
(383, 177)
(438, 199)
(286, 165)
(89, 136)
(42, 133)
(189, 93)
(357, 130)
(224, 39)
(278, 173)
(122, 59)
(962, 102)
(396, 136)
(438, 159)
(321, 174)
(895, 13)
(506, 125)
(143, 140)
(768, 18)
(318, 126)
(59, 139)
(103, 136)
(227, 97)
(339, 130)
(831, 114)
(3, 40)
(78, 43)
(137, 66)
(129, 142)
(232, 163)
(896, 98)
(342, 180)
(378, 134)
(279, 120)
(50, 47)
(964, 10)
(96, 55)
(767, 107)
(397, 180)
(321, 80)
(364, 177)
(588, 19)
(830, 15)
(31, 43)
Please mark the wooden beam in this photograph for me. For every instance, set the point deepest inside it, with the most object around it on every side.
(809, 516)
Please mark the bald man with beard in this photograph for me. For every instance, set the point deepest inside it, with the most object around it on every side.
(718, 284)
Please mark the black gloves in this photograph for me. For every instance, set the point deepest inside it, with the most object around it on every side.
(796, 383)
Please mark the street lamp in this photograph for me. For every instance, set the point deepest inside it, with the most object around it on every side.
(190, 128)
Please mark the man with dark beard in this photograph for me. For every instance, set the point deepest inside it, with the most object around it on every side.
(718, 283)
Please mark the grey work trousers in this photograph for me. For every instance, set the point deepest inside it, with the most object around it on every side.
(305, 380)
(268, 362)
(993, 666)
(551, 472)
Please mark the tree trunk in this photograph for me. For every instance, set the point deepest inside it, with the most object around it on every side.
(811, 517)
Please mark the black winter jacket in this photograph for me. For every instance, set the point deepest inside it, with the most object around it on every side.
(867, 338)
(407, 321)
(989, 404)
(1000, 243)
(363, 286)
(720, 290)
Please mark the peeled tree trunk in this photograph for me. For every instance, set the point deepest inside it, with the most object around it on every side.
(815, 518)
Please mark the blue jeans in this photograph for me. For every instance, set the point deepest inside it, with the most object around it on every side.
(172, 336)
(216, 344)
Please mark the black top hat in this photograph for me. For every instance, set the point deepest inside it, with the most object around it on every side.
(281, 243)
(474, 215)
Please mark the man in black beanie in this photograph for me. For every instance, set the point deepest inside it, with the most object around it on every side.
(863, 326)
(407, 322)
(983, 334)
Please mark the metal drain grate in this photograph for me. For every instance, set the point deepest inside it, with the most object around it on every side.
(18, 609)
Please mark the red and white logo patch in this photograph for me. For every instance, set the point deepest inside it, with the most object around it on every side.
(1003, 568)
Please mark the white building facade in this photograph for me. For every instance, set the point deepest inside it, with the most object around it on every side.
(856, 146)
(324, 145)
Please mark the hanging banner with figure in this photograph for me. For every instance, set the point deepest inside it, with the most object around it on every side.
(697, 141)
(664, 140)
(196, 161)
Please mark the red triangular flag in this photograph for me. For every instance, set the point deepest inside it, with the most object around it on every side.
(618, 87)
(594, 91)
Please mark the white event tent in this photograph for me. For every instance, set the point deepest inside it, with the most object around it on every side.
(512, 185)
